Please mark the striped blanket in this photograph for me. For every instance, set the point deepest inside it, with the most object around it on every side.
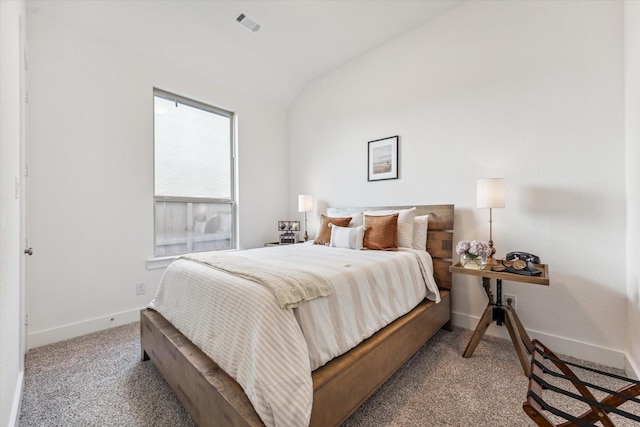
(271, 351)
(290, 285)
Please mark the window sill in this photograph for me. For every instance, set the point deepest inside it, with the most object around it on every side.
(163, 262)
(160, 262)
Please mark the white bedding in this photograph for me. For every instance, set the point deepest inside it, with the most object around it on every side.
(271, 351)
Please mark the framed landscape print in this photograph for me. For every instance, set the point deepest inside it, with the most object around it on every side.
(383, 159)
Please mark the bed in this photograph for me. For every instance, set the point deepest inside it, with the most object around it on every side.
(339, 386)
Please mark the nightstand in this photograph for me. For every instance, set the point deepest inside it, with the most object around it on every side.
(500, 313)
(281, 244)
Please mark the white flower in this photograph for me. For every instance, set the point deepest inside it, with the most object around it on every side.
(463, 246)
(474, 248)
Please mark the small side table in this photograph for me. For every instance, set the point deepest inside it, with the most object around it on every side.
(281, 244)
(500, 313)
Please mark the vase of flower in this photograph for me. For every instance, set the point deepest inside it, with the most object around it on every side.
(470, 261)
(473, 254)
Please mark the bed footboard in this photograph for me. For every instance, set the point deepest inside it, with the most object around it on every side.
(213, 398)
(210, 396)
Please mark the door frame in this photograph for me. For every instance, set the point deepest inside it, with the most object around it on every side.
(24, 173)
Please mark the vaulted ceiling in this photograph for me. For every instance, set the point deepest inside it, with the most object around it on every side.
(298, 41)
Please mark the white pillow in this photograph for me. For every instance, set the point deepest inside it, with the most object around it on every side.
(405, 224)
(420, 225)
(346, 237)
(357, 219)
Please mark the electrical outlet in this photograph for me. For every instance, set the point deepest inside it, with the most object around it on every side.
(513, 300)
(140, 290)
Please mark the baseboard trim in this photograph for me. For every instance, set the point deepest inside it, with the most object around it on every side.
(14, 416)
(72, 330)
(559, 345)
(631, 368)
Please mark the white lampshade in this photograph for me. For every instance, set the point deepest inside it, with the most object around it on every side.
(490, 193)
(305, 203)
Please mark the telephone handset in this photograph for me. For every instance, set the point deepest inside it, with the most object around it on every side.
(524, 256)
(522, 263)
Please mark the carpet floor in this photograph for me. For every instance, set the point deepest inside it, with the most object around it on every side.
(99, 380)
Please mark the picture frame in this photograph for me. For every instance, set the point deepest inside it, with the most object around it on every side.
(288, 226)
(383, 159)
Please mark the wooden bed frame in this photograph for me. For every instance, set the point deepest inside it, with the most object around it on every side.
(213, 398)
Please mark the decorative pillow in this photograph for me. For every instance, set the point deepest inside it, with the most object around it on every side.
(346, 237)
(381, 232)
(357, 219)
(323, 237)
(405, 224)
(420, 225)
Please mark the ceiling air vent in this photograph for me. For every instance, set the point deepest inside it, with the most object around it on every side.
(247, 22)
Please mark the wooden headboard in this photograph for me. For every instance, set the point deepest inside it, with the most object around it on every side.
(439, 235)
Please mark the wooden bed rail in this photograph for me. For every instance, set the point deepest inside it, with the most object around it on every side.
(214, 399)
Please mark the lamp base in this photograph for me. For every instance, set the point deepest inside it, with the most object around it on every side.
(491, 261)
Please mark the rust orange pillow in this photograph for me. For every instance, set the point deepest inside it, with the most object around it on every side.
(381, 232)
(324, 232)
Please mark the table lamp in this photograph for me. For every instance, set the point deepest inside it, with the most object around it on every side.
(490, 194)
(305, 204)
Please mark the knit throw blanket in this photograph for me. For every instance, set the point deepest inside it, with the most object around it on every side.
(291, 286)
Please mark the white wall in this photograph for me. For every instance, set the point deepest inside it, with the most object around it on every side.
(91, 176)
(632, 114)
(529, 91)
(12, 15)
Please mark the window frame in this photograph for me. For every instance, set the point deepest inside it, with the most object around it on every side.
(232, 167)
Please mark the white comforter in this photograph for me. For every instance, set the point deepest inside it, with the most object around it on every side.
(271, 351)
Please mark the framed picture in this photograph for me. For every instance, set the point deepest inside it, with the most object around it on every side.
(383, 159)
(289, 225)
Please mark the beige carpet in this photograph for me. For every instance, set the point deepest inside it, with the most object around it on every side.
(99, 380)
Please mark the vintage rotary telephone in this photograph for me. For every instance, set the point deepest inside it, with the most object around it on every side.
(522, 263)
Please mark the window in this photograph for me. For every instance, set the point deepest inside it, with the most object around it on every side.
(194, 176)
